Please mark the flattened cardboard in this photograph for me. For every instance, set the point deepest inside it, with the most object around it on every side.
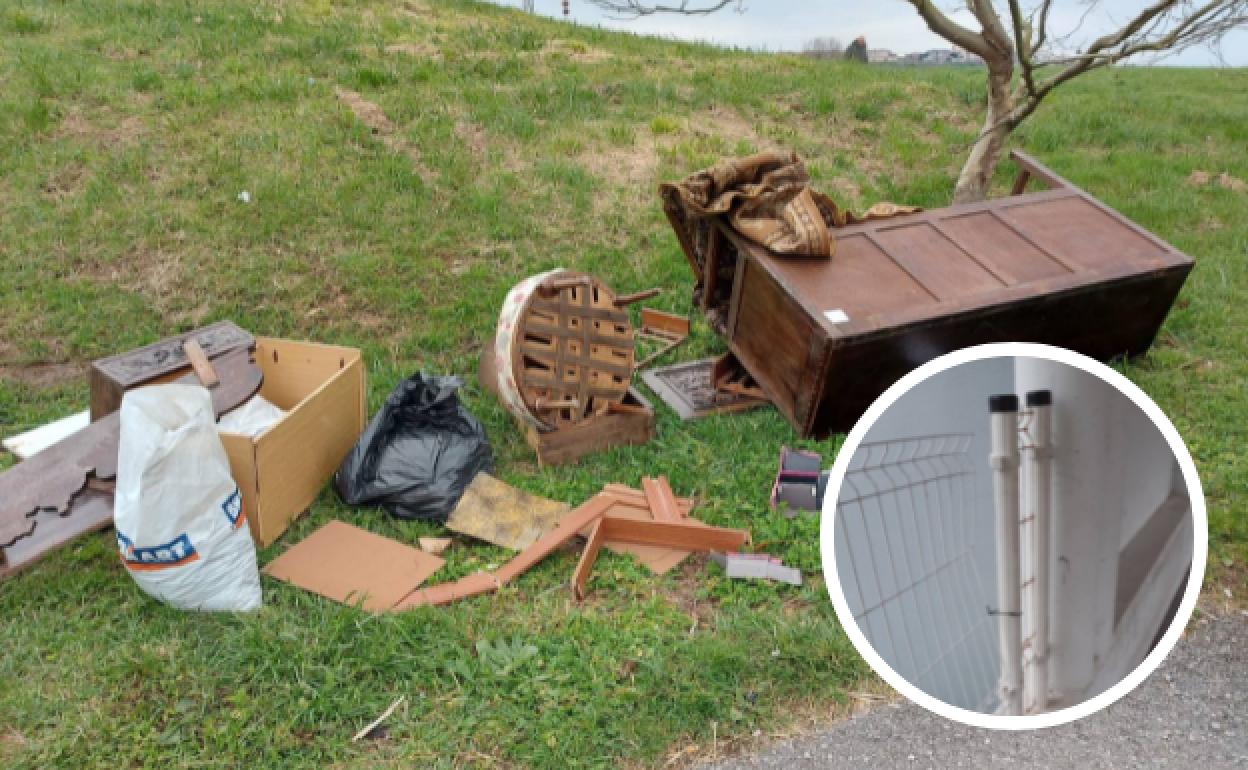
(348, 564)
(498, 513)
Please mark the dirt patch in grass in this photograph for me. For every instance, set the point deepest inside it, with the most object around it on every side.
(384, 129)
(65, 182)
(42, 375)
(415, 50)
(573, 50)
(1199, 178)
(76, 125)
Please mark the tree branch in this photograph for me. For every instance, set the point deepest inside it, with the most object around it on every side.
(950, 30)
(632, 9)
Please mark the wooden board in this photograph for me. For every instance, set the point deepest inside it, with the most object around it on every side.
(824, 338)
(688, 388)
(496, 512)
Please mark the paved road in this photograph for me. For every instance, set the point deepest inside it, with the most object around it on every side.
(1192, 712)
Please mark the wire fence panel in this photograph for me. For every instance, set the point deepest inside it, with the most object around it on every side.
(903, 539)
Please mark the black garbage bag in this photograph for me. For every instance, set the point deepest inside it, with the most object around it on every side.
(419, 453)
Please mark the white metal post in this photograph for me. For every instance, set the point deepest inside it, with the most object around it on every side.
(1004, 459)
(1039, 444)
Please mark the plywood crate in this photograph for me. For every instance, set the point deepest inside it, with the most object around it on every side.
(280, 472)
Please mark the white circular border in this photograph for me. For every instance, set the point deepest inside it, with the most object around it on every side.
(1195, 494)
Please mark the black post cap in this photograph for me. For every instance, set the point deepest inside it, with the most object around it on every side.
(1039, 398)
(1003, 402)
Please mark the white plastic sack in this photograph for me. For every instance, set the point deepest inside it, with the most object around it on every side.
(252, 418)
(178, 514)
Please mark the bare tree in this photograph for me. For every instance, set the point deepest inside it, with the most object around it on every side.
(1022, 57)
(824, 47)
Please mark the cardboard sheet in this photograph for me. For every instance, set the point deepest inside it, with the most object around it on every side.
(498, 513)
(347, 564)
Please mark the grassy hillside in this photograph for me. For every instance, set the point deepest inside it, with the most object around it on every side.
(406, 163)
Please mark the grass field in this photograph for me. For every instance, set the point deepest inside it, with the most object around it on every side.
(406, 163)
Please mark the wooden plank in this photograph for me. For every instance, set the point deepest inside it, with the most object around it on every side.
(659, 498)
(483, 582)
(588, 556)
(673, 534)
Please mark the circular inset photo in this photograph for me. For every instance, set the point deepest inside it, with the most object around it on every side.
(1014, 536)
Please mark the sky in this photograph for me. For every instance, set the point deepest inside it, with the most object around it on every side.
(784, 25)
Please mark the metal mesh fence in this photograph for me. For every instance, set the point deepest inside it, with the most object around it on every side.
(905, 560)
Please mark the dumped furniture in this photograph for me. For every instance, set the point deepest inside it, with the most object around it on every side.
(66, 489)
(561, 341)
(825, 337)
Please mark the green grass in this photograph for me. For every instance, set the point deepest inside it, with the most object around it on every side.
(127, 131)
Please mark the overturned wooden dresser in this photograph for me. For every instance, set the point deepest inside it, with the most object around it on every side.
(824, 338)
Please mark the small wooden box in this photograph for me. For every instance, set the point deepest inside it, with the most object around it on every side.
(824, 338)
(599, 433)
(110, 378)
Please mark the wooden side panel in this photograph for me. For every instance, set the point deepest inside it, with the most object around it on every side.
(296, 456)
(772, 336)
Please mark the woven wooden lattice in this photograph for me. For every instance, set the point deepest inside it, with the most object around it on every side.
(575, 349)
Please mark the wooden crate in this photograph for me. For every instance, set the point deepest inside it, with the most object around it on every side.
(824, 338)
(597, 433)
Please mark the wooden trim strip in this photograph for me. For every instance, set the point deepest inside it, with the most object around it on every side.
(673, 534)
(659, 499)
(592, 546)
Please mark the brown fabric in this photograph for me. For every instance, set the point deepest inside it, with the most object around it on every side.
(767, 198)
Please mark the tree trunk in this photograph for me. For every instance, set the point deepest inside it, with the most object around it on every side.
(977, 171)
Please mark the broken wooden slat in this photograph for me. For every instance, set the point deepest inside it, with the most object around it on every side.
(628, 299)
(674, 534)
(200, 364)
(483, 582)
(690, 535)
(588, 556)
(660, 499)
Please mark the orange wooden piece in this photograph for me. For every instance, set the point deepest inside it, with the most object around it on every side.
(659, 498)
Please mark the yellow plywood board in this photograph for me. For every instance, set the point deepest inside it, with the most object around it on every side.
(498, 513)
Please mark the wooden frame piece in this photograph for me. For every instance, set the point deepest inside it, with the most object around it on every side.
(484, 582)
(658, 326)
(583, 567)
(660, 499)
(680, 534)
